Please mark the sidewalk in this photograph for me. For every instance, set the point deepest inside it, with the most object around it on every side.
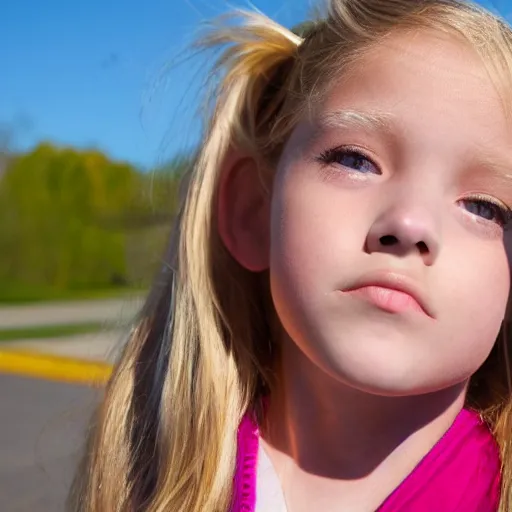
(101, 347)
(80, 358)
(117, 311)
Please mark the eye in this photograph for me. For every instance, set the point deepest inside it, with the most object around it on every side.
(351, 158)
(488, 209)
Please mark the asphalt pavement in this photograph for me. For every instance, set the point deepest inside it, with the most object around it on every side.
(43, 422)
(42, 432)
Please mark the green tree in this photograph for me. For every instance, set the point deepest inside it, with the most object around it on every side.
(71, 219)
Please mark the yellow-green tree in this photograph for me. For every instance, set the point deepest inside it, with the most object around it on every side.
(65, 216)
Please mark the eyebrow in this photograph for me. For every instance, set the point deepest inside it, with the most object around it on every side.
(372, 120)
(500, 167)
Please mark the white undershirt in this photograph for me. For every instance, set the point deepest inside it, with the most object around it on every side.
(269, 494)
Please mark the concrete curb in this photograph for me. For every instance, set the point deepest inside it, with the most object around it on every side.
(56, 368)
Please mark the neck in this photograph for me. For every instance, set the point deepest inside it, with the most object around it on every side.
(332, 430)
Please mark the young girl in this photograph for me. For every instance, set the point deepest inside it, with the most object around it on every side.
(327, 331)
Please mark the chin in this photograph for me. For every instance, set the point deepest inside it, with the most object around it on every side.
(390, 373)
(385, 384)
(389, 383)
(388, 387)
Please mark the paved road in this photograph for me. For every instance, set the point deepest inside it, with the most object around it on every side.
(41, 434)
(42, 424)
(108, 310)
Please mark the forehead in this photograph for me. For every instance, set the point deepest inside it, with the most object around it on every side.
(425, 81)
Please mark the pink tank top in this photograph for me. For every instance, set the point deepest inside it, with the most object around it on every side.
(461, 473)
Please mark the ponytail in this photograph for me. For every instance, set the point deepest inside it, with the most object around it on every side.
(164, 438)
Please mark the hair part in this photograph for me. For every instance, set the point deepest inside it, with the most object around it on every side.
(164, 437)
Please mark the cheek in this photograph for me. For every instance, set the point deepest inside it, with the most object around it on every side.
(317, 239)
(314, 231)
(479, 291)
(305, 249)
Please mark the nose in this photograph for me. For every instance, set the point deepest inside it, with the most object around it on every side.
(405, 230)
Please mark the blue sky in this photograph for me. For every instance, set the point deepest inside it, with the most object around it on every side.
(90, 73)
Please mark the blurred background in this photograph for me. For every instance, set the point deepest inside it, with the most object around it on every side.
(98, 121)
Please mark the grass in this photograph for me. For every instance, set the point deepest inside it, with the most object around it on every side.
(50, 331)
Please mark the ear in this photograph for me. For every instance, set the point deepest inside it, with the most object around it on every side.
(244, 212)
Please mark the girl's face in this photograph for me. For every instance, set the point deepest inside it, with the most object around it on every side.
(388, 266)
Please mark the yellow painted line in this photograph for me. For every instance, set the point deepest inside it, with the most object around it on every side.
(56, 368)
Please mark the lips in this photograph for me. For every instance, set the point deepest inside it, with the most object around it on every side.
(392, 292)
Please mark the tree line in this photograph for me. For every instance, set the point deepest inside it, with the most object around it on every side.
(76, 220)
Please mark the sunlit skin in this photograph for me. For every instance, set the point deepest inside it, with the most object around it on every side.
(443, 129)
(388, 268)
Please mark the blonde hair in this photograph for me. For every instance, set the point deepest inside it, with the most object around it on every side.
(164, 438)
